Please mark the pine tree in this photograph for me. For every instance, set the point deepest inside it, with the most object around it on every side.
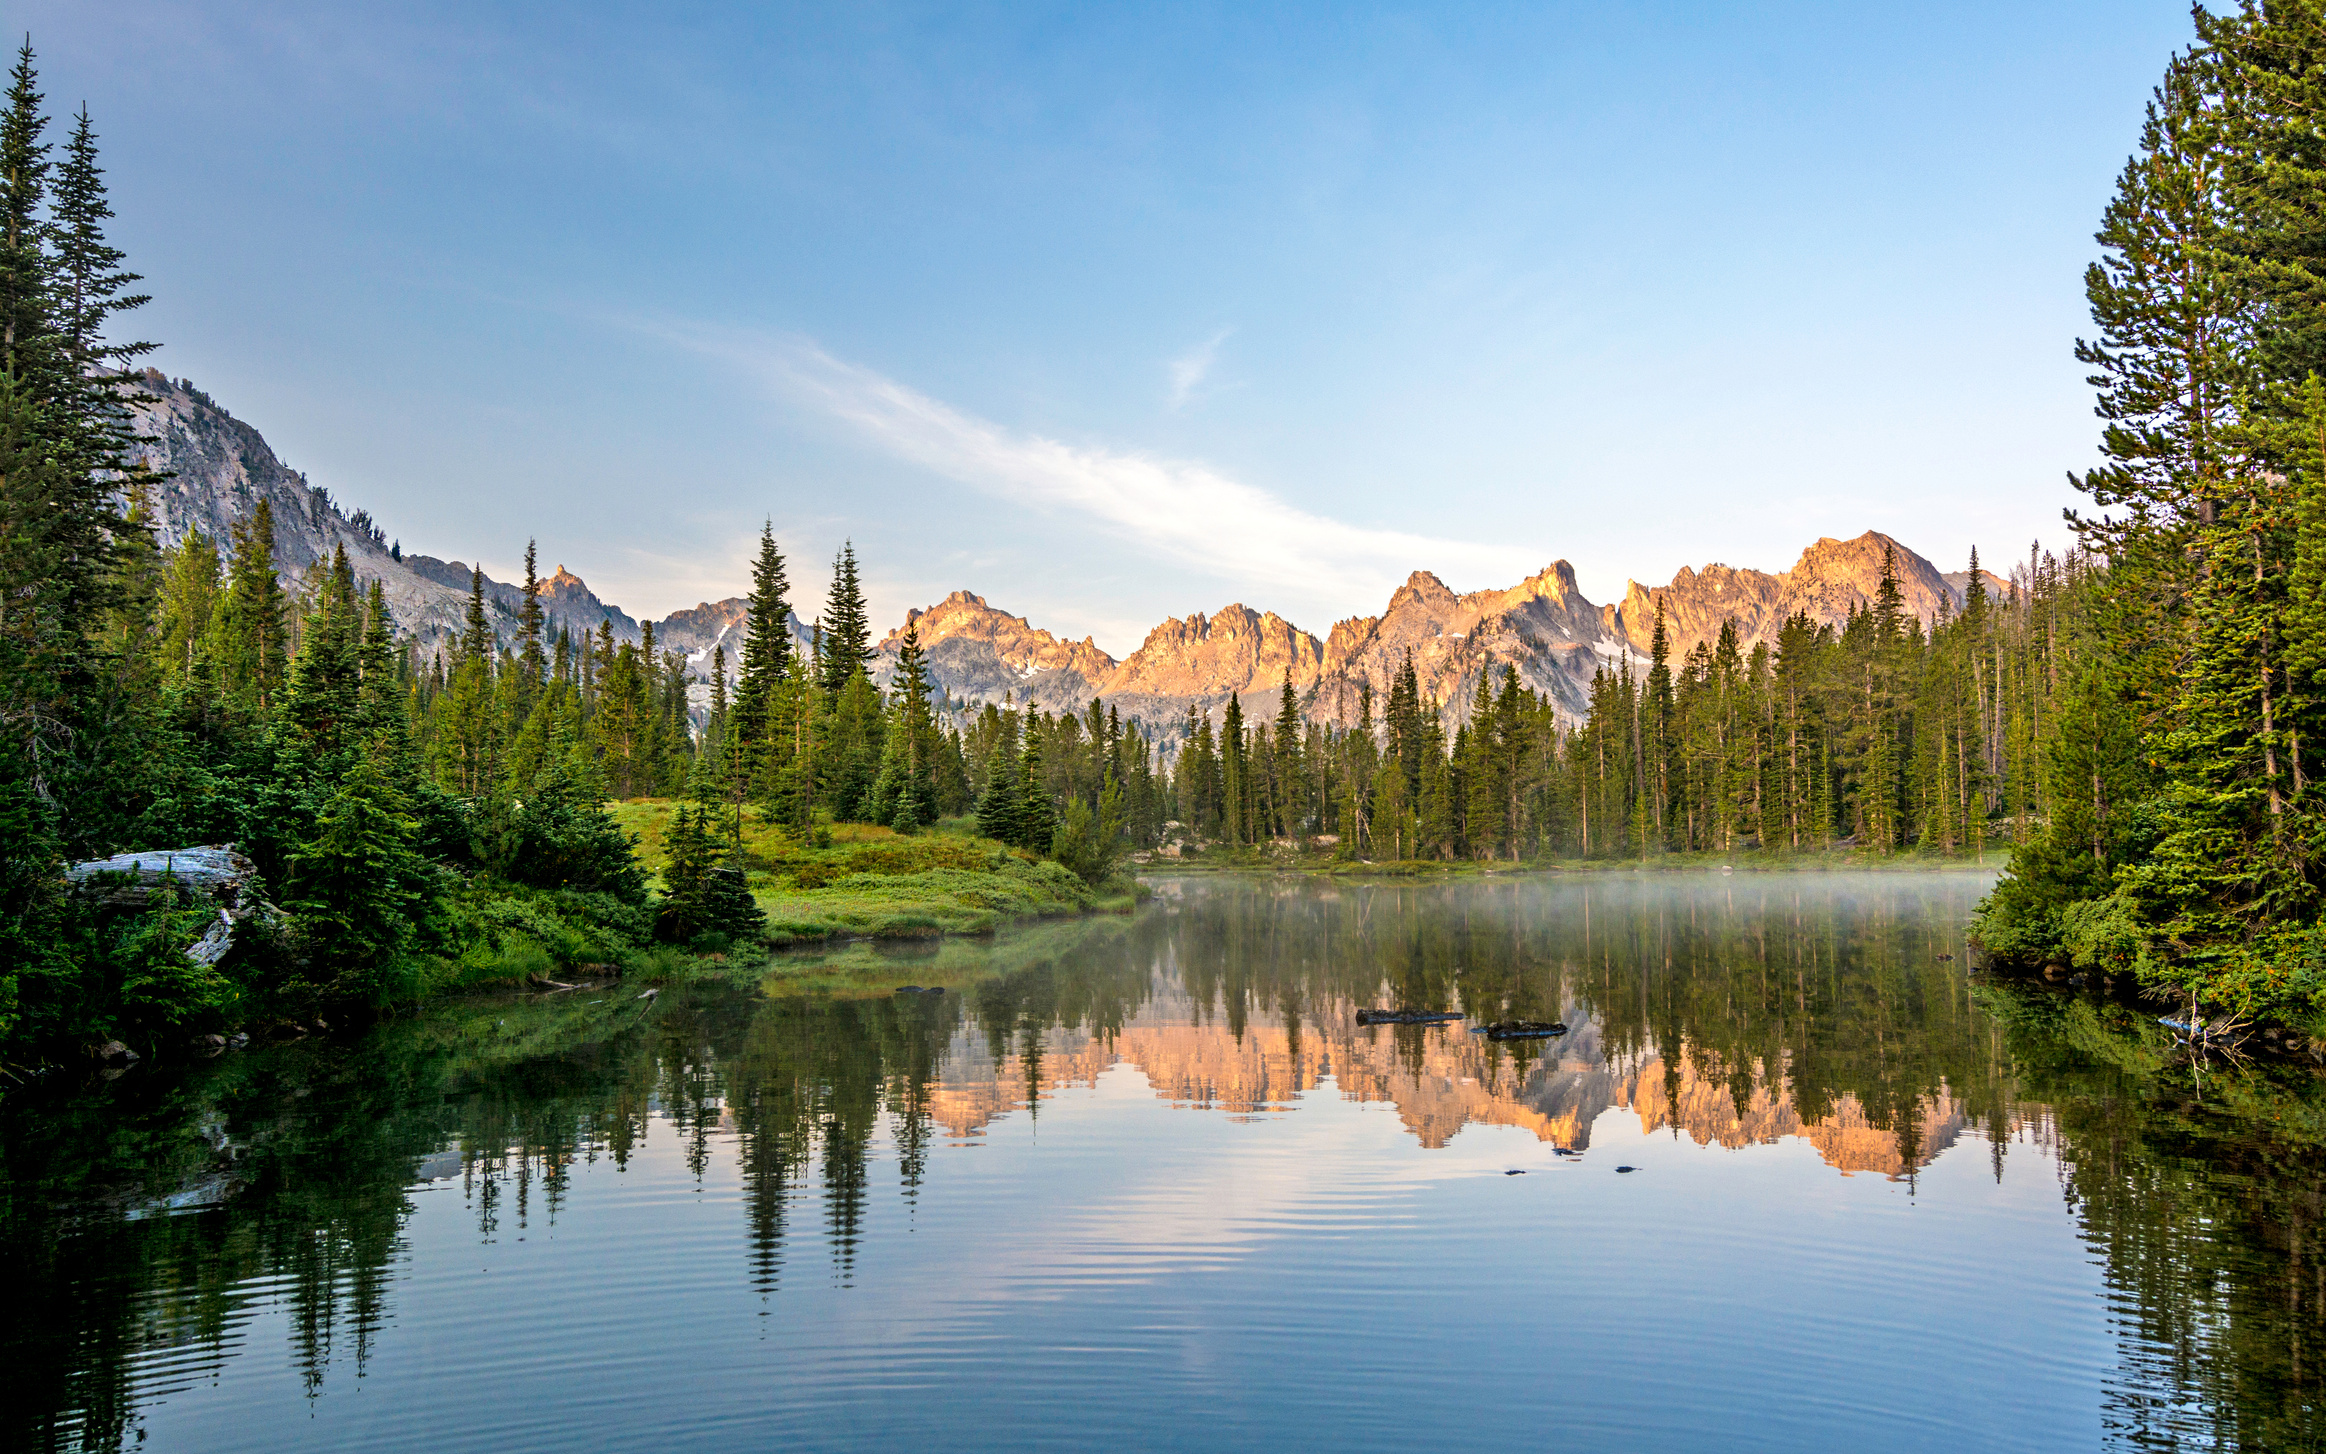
(189, 596)
(701, 894)
(1235, 776)
(476, 639)
(91, 282)
(1037, 820)
(533, 662)
(322, 693)
(26, 324)
(846, 628)
(717, 726)
(1290, 772)
(999, 810)
(356, 885)
(766, 644)
(915, 798)
(250, 634)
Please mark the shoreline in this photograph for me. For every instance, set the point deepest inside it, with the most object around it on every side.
(1834, 861)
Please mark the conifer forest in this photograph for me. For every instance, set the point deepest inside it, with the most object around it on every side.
(2138, 719)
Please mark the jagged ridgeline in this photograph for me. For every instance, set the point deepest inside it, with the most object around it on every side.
(203, 648)
(1862, 697)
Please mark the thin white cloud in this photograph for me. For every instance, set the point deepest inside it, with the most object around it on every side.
(1190, 369)
(1181, 510)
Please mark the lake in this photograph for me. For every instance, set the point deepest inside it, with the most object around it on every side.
(1145, 1182)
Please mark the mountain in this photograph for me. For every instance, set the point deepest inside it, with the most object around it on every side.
(978, 653)
(219, 468)
(1201, 661)
(1831, 578)
(1543, 628)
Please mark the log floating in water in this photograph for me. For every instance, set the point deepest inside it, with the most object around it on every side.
(1408, 1017)
(1521, 1029)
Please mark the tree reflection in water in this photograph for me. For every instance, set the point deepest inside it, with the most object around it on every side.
(146, 1219)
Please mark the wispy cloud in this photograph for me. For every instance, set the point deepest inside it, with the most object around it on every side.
(1182, 510)
(1190, 369)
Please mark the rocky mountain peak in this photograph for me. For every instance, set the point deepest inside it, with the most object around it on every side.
(1235, 651)
(1830, 580)
(978, 652)
(1543, 628)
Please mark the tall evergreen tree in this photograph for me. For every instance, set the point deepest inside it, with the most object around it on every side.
(533, 661)
(91, 282)
(766, 644)
(251, 633)
(846, 628)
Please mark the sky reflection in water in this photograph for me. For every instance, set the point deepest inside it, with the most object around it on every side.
(1866, 1213)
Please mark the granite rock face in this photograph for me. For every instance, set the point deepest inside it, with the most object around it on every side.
(221, 467)
(1200, 661)
(1543, 628)
(979, 653)
(1831, 579)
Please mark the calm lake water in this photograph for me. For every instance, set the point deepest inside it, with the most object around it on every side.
(1145, 1183)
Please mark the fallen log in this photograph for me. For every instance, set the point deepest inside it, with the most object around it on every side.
(215, 870)
(1408, 1017)
(1521, 1029)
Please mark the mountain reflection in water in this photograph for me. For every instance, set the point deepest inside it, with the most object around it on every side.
(167, 1234)
(1448, 1080)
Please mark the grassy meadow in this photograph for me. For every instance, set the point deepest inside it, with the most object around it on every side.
(872, 882)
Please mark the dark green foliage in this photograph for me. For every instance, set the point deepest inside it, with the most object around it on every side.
(416, 826)
(1089, 841)
(354, 888)
(766, 646)
(997, 810)
(1036, 820)
(2184, 839)
(905, 793)
(701, 895)
(565, 840)
(847, 629)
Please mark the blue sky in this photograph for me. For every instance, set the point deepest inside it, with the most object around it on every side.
(1113, 312)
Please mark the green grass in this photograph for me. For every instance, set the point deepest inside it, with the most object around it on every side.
(875, 883)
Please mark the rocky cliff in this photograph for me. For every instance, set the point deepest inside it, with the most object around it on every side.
(1542, 628)
(1831, 579)
(1201, 661)
(219, 468)
(979, 653)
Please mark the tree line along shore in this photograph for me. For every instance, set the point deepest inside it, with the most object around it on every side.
(2126, 718)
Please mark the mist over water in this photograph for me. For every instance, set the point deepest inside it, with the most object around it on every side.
(1145, 1181)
